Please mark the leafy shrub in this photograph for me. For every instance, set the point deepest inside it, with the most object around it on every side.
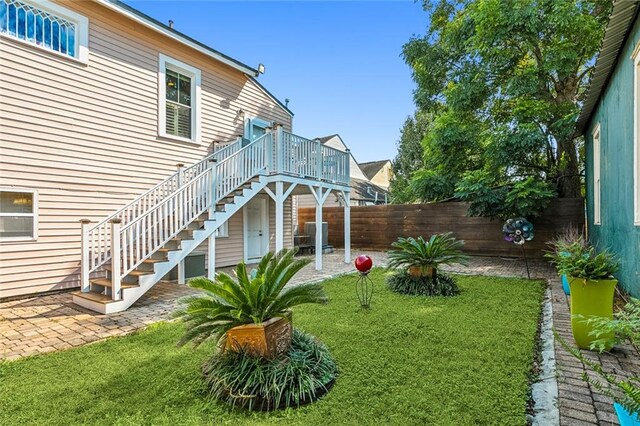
(580, 260)
(441, 249)
(525, 198)
(302, 376)
(625, 325)
(403, 283)
(253, 298)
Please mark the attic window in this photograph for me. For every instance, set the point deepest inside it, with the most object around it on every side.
(45, 25)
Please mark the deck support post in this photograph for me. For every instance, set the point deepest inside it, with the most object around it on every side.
(116, 260)
(347, 226)
(211, 256)
(84, 262)
(320, 197)
(279, 216)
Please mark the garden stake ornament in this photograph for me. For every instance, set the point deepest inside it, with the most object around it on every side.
(519, 231)
(364, 285)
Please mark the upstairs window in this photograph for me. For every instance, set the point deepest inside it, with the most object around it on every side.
(45, 25)
(179, 100)
(18, 215)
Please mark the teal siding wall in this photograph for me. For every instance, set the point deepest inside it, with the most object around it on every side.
(615, 115)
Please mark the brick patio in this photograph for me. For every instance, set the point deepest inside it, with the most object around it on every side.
(47, 323)
(579, 402)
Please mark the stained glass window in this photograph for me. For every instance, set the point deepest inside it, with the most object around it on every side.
(37, 26)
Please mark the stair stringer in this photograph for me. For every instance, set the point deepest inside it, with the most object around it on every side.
(146, 282)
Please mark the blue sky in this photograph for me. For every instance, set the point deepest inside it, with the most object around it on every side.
(337, 61)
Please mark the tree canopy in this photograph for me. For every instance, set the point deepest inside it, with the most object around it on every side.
(503, 82)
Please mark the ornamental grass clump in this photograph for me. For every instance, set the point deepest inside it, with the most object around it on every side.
(241, 380)
(416, 262)
(578, 259)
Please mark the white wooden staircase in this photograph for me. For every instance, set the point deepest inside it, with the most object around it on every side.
(127, 253)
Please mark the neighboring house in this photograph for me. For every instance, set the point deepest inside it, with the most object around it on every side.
(378, 172)
(101, 108)
(610, 123)
(363, 191)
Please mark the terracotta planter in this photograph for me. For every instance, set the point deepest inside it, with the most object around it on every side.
(589, 298)
(422, 271)
(270, 339)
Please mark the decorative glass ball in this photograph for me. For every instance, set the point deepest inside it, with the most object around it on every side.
(363, 263)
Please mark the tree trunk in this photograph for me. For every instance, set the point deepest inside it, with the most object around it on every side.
(569, 185)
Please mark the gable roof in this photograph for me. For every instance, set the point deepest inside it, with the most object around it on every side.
(124, 9)
(371, 168)
(620, 23)
(365, 190)
(326, 139)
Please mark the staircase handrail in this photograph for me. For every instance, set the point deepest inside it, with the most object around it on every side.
(99, 234)
(155, 227)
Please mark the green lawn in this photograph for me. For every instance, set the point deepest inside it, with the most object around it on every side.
(408, 360)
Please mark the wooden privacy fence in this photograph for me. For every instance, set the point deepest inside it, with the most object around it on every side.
(376, 227)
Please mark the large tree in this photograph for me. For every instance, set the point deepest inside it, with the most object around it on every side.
(503, 81)
(409, 158)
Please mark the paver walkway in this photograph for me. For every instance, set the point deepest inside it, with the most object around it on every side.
(579, 402)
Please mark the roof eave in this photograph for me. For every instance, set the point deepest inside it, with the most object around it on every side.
(618, 28)
(147, 21)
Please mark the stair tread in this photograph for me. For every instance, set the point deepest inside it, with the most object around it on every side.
(135, 272)
(106, 282)
(154, 260)
(95, 297)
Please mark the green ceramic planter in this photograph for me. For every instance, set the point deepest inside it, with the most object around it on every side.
(589, 298)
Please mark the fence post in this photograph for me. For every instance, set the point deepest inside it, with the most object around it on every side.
(84, 259)
(116, 266)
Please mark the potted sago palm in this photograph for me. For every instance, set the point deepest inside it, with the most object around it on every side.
(422, 258)
(251, 313)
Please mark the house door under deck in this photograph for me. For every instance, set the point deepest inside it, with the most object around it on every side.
(256, 229)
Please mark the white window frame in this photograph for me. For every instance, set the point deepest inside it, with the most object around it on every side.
(33, 214)
(596, 143)
(82, 30)
(636, 135)
(223, 230)
(165, 62)
(257, 121)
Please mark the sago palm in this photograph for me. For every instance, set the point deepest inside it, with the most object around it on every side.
(441, 249)
(252, 298)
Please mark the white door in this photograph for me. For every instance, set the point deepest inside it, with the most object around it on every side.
(256, 232)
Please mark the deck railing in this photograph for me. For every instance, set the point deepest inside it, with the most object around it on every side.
(308, 158)
(140, 228)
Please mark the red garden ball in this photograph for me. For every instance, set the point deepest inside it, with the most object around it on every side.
(363, 263)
